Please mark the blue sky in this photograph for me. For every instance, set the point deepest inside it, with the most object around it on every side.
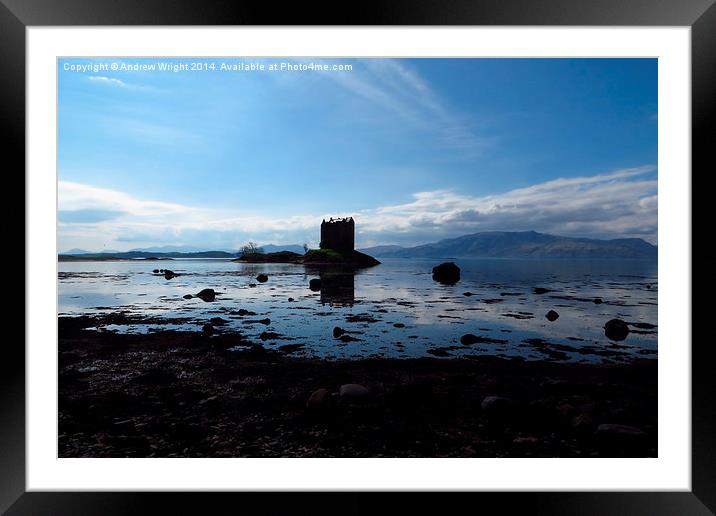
(415, 149)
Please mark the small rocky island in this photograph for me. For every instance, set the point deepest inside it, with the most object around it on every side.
(337, 248)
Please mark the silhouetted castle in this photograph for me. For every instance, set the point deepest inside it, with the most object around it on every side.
(338, 234)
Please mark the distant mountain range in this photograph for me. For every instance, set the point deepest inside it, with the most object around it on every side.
(523, 244)
(176, 252)
(489, 244)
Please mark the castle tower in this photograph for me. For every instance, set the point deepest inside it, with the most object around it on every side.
(338, 234)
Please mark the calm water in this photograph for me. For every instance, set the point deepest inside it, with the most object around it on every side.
(368, 304)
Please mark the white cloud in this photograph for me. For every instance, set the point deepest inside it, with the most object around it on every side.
(622, 203)
(108, 80)
(615, 204)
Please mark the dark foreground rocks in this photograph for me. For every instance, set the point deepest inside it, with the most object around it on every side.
(447, 273)
(216, 394)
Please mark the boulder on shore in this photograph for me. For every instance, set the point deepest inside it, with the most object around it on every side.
(497, 406)
(353, 393)
(447, 273)
(320, 400)
(620, 436)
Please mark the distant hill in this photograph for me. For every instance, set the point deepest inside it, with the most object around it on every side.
(294, 248)
(523, 244)
(173, 249)
(381, 250)
(138, 255)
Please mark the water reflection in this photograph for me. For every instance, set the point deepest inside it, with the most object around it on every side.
(337, 286)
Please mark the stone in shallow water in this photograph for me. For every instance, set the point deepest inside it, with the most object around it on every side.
(469, 338)
(314, 284)
(541, 290)
(262, 278)
(616, 329)
(447, 273)
(207, 294)
(552, 316)
(338, 331)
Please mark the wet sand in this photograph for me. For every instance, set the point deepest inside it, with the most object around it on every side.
(185, 394)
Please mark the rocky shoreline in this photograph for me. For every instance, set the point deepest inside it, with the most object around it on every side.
(192, 394)
(314, 257)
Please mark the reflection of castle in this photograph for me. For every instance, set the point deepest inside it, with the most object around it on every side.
(337, 287)
(338, 234)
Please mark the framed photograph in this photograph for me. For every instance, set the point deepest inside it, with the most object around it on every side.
(444, 250)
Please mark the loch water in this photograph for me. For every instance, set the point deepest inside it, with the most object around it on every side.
(392, 310)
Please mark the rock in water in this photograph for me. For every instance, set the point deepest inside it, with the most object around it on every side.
(207, 330)
(552, 316)
(353, 393)
(207, 294)
(338, 331)
(319, 401)
(262, 278)
(156, 271)
(541, 290)
(169, 274)
(616, 329)
(315, 284)
(597, 301)
(447, 273)
(187, 296)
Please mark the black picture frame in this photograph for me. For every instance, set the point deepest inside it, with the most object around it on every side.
(700, 15)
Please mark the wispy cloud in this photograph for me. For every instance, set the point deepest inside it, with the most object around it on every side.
(119, 83)
(152, 133)
(110, 81)
(617, 204)
(399, 89)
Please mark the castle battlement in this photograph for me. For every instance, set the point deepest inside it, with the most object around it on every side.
(338, 234)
